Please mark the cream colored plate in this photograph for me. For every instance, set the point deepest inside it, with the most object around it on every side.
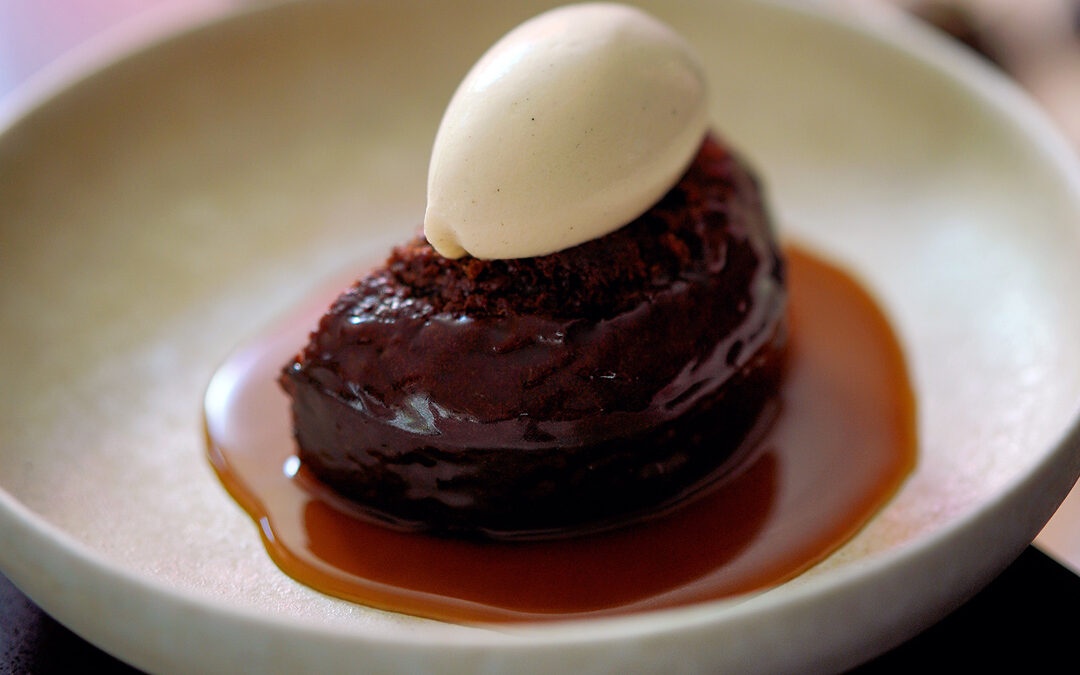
(156, 214)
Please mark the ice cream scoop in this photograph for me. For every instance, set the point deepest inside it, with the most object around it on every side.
(569, 127)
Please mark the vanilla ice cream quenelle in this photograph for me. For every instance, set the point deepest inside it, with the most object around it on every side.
(570, 126)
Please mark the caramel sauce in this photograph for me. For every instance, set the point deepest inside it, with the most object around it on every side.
(840, 448)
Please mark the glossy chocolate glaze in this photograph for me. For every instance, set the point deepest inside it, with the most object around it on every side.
(554, 416)
(843, 442)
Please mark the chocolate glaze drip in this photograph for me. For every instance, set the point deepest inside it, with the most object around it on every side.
(558, 394)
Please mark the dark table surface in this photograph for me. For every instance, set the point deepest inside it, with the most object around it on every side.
(1029, 614)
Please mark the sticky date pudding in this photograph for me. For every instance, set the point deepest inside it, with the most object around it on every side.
(543, 395)
(590, 353)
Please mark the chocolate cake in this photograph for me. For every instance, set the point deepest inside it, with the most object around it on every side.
(556, 394)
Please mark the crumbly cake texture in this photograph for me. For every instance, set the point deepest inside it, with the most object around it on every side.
(552, 394)
(682, 237)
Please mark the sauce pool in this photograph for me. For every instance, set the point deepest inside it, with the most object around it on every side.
(841, 446)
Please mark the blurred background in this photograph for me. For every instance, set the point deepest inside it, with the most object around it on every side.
(1037, 42)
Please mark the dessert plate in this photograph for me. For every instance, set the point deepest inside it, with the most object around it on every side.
(162, 210)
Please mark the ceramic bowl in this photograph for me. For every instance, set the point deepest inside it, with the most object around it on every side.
(159, 211)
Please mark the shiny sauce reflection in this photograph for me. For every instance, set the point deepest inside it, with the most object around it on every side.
(841, 447)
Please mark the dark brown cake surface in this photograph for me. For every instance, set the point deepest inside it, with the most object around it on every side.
(541, 394)
(684, 237)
